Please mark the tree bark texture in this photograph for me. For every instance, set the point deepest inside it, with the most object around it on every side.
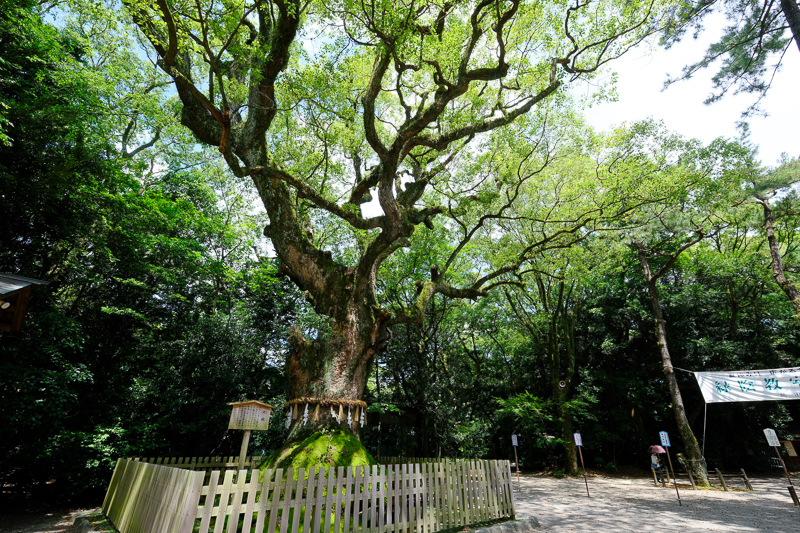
(792, 13)
(783, 282)
(693, 453)
(333, 368)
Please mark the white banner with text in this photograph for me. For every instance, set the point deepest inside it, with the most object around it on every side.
(750, 385)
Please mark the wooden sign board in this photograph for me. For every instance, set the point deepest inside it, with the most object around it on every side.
(789, 448)
(772, 438)
(250, 415)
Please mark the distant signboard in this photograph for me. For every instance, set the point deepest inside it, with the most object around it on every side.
(577, 438)
(664, 438)
(250, 415)
(514, 439)
(772, 438)
(789, 448)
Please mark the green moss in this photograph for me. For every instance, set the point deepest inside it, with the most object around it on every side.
(330, 447)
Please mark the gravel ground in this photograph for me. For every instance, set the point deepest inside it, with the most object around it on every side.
(615, 505)
(618, 505)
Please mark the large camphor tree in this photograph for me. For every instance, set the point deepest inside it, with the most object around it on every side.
(359, 122)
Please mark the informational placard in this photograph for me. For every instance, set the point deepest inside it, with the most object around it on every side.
(516, 459)
(750, 385)
(577, 438)
(664, 438)
(250, 415)
(772, 438)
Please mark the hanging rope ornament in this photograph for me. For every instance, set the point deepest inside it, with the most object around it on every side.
(318, 405)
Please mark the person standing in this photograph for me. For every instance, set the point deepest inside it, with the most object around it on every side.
(655, 464)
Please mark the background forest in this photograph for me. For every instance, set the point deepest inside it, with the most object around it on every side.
(164, 301)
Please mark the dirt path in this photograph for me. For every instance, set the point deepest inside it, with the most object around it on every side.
(53, 521)
(635, 505)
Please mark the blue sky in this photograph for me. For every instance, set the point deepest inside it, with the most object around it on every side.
(641, 77)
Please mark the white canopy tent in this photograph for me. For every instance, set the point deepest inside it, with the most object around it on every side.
(748, 386)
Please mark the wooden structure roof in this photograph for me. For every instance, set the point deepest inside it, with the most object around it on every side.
(14, 293)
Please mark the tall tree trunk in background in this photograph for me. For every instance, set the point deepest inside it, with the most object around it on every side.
(564, 392)
(777, 262)
(693, 453)
(549, 341)
(792, 13)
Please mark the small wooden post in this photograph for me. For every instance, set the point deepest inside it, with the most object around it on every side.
(655, 478)
(793, 494)
(722, 480)
(674, 478)
(778, 453)
(577, 440)
(243, 451)
(792, 491)
(516, 459)
(746, 480)
(691, 478)
(585, 480)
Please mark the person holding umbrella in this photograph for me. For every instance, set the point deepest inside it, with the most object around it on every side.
(655, 460)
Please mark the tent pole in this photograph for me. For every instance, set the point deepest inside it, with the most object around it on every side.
(705, 418)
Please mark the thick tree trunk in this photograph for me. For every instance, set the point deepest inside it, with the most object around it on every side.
(792, 13)
(327, 379)
(777, 262)
(693, 453)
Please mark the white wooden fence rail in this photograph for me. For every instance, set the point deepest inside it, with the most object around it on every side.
(203, 463)
(403, 460)
(147, 498)
(406, 498)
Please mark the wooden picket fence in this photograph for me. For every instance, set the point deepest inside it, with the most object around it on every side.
(424, 498)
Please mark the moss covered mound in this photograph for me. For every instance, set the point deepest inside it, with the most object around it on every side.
(328, 447)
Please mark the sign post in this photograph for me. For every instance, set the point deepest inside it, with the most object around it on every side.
(516, 460)
(772, 440)
(665, 443)
(249, 416)
(579, 444)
